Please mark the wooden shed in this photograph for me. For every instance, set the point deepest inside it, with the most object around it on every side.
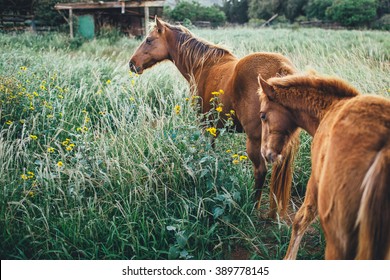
(131, 17)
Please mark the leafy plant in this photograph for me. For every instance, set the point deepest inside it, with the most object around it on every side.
(352, 13)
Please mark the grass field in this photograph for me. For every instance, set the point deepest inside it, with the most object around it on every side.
(96, 163)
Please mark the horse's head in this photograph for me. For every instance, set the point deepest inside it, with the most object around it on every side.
(278, 126)
(152, 50)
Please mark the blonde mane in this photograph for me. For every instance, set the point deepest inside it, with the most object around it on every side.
(193, 51)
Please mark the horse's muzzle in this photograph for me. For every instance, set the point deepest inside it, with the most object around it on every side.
(134, 68)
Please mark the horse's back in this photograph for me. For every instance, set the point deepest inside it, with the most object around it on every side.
(355, 135)
(266, 64)
(244, 82)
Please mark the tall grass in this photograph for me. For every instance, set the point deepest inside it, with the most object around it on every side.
(96, 163)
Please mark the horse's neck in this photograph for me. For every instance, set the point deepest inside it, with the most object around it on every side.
(310, 110)
(193, 67)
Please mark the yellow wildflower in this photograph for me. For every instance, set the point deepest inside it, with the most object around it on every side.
(218, 109)
(177, 109)
(229, 151)
(33, 137)
(108, 82)
(24, 176)
(23, 68)
(66, 142)
(243, 158)
(43, 87)
(215, 93)
(235, 156)
(70, 147)
(60, 164)
(232, 112)
(212, 131)
(9, 122)
(50, 150)
(82, 129)
(221, 91)
(236, 161)
(30, 174)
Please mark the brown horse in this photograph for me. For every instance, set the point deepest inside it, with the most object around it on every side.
(208, 68)
(349, 186)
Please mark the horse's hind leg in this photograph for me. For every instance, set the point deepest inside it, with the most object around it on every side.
(304, 217)
(259, 167)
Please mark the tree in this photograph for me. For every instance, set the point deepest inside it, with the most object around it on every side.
(236, 10)
(317, 8)
(293, 8)
(353, 12)
(263, 9)
(193, 11)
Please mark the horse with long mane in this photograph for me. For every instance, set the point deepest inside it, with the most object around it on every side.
(349, 186)
(209, 68)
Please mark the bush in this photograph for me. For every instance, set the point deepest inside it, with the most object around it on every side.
(193, 11)
(383, 23)
(352, 12)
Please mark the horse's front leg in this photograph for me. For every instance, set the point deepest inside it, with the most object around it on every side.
(304, 217)
(259, 166)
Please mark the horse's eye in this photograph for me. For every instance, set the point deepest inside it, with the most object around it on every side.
(263, 116)
(148, 41)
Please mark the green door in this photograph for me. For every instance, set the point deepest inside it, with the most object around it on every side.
(86, 26)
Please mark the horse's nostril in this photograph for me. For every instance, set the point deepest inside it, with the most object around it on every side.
(132, 67)
(270, 157)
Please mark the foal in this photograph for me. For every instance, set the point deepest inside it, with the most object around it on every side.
(349, 186)
(209, 68)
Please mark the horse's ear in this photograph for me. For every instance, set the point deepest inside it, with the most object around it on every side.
(159, 24)
(267, 88)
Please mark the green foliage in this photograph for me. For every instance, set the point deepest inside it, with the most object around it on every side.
(317, 8)
(263, 9)
(383, 23)
(193, 11)
(352, 12)
(294, 8)
(236, 10)
(383, 7)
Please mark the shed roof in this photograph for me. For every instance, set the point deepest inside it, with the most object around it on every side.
(109, 5)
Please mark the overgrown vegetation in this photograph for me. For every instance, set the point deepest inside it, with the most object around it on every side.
(348, 13)
(189, 12)
(98, 163)
(361, 13)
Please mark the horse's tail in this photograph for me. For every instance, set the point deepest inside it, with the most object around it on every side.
(281, 178)
(374, 212)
